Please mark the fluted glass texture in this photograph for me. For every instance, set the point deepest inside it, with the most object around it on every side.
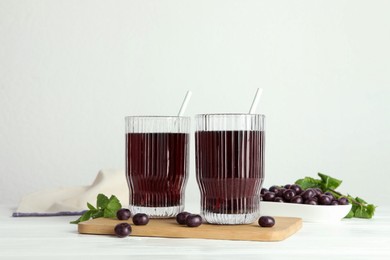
(157, 164)
(230, 166)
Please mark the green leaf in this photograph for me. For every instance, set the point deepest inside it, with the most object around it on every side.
(112, 207)
(102, 201)
(350, 214)
(105, 207)
(84, 217)
(365, 211)
(360, 212)
(97, 214)
(90, 206)
(360, 208)
(371, 209)
(75, 221)
(360, 200)
(108, 213)
(114, 204)
(308, 182)
(329, 182)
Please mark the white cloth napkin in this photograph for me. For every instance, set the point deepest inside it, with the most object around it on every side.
(73, 200)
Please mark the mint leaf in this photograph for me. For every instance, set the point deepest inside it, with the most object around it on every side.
(105, 207)
(371, 209)
(84, 217)
(362, 212)
(308, 182)
(108, 213)
(97, 214)
(112, 207)
(90, 206)
(114, 203)
(361, 208)
(329, 182)
(102, 201)
(350, 214)
(360, 200)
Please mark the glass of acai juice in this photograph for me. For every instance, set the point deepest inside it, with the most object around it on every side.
(229, 152)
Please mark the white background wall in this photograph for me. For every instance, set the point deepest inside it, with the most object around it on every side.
(70, 71)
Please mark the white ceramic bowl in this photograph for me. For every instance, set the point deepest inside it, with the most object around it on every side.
(308, 213)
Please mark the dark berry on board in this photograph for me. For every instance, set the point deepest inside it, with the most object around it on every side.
(122, 230)
(317, 191)
(334, 202)
(194, 220)
(263, 191)
(123, 214)
(287, 186)
(266, 221)
(140, 219)
(181, 217)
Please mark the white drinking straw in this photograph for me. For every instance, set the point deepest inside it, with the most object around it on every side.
(185, 102)
(255, 101)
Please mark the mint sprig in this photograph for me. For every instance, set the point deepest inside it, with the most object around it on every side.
(360, 208)
(105, 207)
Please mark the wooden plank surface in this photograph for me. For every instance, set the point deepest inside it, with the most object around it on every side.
(284, 227)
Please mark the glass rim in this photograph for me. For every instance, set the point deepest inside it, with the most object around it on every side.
(229, 114)
(160, 117)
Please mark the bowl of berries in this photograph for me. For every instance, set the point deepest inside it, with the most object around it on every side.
(312, 204)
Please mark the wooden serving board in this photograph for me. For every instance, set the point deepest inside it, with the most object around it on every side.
(283, 228)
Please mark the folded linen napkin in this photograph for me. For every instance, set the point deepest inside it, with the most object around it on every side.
(73, 200)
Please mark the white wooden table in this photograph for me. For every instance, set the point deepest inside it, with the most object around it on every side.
(55, 238)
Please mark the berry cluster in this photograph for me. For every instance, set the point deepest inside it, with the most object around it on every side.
(124, 229)
(293, 193)
(184, 218)
(191, 220)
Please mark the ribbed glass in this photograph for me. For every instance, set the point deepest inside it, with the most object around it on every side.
(157, 164)
(230, 166)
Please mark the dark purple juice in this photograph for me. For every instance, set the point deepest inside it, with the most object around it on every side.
(156, 168)
(230, 166)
